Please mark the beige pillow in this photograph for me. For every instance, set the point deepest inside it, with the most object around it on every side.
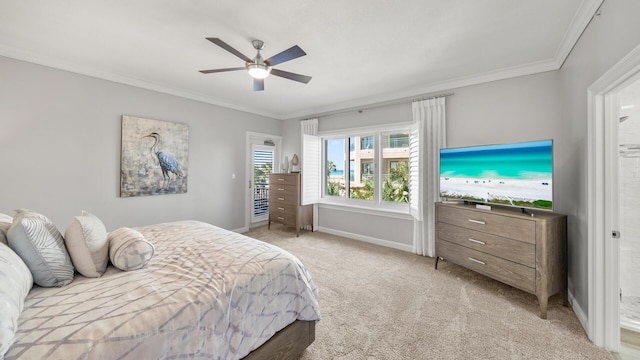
(128, 249)
(86, 241)
(5, 224)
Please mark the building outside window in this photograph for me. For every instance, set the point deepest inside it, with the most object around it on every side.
(377, 167)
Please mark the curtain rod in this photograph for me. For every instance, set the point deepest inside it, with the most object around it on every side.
(361, 109)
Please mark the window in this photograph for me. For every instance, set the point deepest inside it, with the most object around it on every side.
(369, 169)
(366, 143)
(334, 167)
(395, 159)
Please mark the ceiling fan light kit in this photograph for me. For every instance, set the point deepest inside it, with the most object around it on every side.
(258, 71)
(259, 68)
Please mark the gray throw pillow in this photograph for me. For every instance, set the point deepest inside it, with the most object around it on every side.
(41, 246)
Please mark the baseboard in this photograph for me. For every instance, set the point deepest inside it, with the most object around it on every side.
(580, 314)
(368, 239)
(241, 230)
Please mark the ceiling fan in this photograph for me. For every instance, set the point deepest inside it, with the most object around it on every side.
(260, 68)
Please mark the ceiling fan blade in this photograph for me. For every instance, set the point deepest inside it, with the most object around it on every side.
(222, 70)
(228, 47)
(289, 54)
(258, 84)
(291, 76)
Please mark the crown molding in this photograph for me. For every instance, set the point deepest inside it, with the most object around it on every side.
(58, 64)
(583, 16)
(409, 95)
(579, 23)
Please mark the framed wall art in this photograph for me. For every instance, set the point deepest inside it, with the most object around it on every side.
(155, 157)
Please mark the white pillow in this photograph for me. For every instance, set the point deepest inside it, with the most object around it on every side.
(41, 246)
(86, 241)
(128, 249)
(15, 283)
(5, 224)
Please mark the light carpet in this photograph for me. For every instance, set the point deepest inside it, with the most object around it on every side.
(382, 303)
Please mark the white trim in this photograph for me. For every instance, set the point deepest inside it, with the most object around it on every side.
(249, 137)
(377, 204)
(580, 314)
(603, 324)
(367, 210)
(241, 230)
(579, 23)
(399, 126)
(368, 239)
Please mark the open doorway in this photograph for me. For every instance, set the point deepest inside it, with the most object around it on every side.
(628, 215)
(609, 230)
(262, 158)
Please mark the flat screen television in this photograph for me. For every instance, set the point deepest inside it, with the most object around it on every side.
(515, 174)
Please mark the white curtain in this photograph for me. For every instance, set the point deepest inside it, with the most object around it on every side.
(311, 166)
(428, 136)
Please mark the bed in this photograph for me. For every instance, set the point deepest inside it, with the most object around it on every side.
(206, 293)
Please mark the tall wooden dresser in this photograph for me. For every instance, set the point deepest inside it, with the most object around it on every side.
(524, 250)
(284, 202)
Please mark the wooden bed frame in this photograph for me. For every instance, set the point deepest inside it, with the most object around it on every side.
(286, 344)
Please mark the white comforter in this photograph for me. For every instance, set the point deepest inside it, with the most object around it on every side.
(207, 293)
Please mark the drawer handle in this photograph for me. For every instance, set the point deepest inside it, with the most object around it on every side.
(280, 218)
(477, 222)
(477, 241)
(280, 189)
(280, 179)
(281, 199)
(477, 261)
(281, 208)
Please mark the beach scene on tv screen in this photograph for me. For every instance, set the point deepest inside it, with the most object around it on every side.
(518, 174)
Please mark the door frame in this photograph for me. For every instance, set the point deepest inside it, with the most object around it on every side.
(603, 250)
(257, 138)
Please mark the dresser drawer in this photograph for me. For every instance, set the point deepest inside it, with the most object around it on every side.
(508, 272)
(517, 251)
(282, 217)
(281, 207)
(283, 189)
(509, 227)
(283, 179)
(283, 198)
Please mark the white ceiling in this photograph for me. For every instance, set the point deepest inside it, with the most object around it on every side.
(359, 52)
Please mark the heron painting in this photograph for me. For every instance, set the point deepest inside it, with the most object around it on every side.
(154, 157)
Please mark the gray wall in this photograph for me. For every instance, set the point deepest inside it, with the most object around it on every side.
(519, 109)
(609, 37)
(60, 144)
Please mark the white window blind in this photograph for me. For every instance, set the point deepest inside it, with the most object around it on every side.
(415, 188)
(311, 168)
